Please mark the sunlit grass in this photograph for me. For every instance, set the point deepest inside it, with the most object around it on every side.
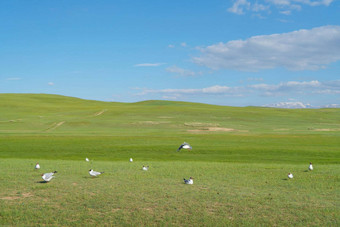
(240, 161)
(224, 193)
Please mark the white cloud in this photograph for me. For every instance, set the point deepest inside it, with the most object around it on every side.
(256, 7)
(289, 105)
(299, 105)
(332, 106)
(289, 88)
(315, 2)
(286, 12)
(292, 92)
(280, 2)
(50, 83)
(148, 64)
(299, 50)
(213, 90)
(239, 6)
(242, 6)
(180, 71)
(171, 46)
(183, 44)
(170, 97)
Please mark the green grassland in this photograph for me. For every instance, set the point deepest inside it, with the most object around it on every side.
(240, 160)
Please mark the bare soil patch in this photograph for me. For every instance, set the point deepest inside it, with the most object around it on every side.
(23, 195)
(152, 122)
(12, 121)
(200, 124)
(212, 129)
(215, 129)
(326, 129)
(281, 129)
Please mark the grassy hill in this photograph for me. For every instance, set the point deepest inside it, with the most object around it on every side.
(240, 161)
(59, 127)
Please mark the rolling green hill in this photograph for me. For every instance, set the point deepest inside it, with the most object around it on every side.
(240, 161)
(59, 127)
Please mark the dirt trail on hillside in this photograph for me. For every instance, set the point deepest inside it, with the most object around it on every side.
(215, 129)
(326, 129)
(55, 125)
(212, 129)
(99, 113)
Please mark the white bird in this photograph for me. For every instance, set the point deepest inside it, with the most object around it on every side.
(48, 176)
(131, 160)
(37, 166)
(290, 175)
(94, 173)
(86, 159)
(184, 146)
(310, 167)
(190, 181)
(145, 168)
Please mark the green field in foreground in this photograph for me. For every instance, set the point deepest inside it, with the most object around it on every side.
(222, 194)
(240, 161)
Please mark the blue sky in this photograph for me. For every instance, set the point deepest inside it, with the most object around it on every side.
(237, 53)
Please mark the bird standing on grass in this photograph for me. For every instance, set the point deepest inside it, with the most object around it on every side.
(190, 181)
(131, 160)
(94, 173)
(145, 168)
(37, 166)
(184, 146)
(86, 159)
(290, 175)
(310, 167)
(48, 176)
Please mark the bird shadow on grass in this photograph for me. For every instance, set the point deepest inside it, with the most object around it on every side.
(42, 182)
(284, 179)
(305, 171)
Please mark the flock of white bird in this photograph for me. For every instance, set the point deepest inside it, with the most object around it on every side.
(310, 168)
(49, 176)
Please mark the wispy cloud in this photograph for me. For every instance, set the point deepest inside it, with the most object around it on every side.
(286, 12)
(180, 71)
(299, 50)
(149, 64)
(284, 6)
(50, 83)
(280, 89)
(239, 7)
(332, 106)
(300, 87)
(213, 90)
(290, 87)
(289, 105)
(311, 3)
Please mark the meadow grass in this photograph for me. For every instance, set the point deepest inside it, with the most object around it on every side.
(222, 194)
(240, 161)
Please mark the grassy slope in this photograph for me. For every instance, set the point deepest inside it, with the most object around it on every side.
(240, 175)
(57, 127)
